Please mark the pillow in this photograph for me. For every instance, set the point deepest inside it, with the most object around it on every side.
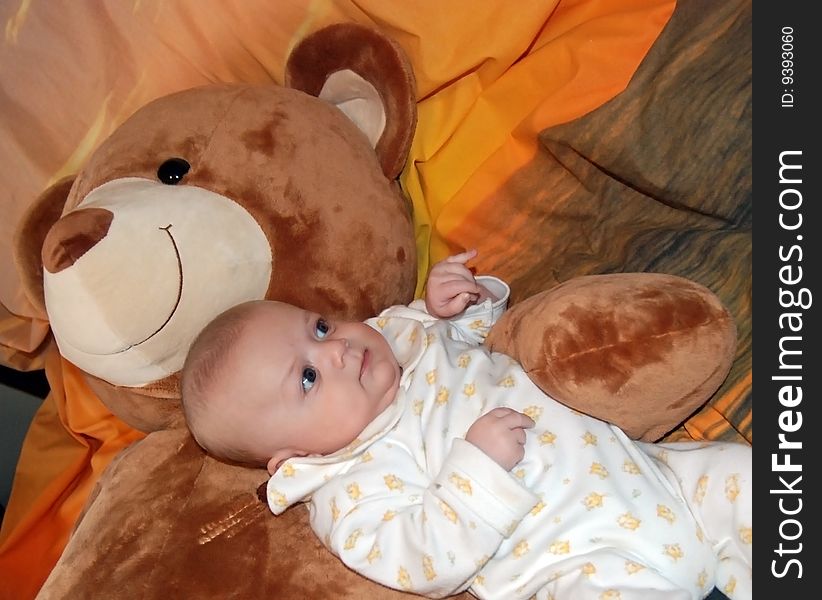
(658, 179)
(678, 143)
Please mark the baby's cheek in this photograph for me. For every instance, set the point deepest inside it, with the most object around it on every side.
(384, 376)
(386, 383)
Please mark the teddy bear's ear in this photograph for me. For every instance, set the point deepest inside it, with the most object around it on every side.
(30, 234)
(367, 76)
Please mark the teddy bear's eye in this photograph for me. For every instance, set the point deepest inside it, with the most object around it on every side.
(172, 171)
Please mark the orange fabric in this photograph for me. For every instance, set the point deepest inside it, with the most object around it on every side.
(72, 439)
(480, 130)
(71, 72)
(710, 422)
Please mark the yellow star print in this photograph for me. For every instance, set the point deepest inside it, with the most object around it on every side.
(442, 396)
(560, 547)
(463, 361)
(593, 500)
(469, 389)
(632, 567)
(335, 512)
(673, 551)
(403, 579)
(589, 438)
(732, 489)
(393, 482)
(628, 521)
(277, 498)
(449, 512)
(535, 412)
(701, 489)
(288, 470)
(506, 382)
(546, 437)
(351, 541)
(631, 468)
(353, 491)
(746, 535)
(521, 549)
(462, 483)
(663, 512)
(431, 376)
(428, 568)
(599, 470)
(374, 554)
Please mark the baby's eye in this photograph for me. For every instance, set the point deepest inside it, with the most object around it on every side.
(309, 377)
(322, 328)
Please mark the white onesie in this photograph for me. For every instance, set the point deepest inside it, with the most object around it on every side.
(588, 513)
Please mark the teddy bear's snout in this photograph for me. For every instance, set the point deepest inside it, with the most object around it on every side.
(73, 235)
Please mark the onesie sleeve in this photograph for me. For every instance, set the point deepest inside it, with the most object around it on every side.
(474, 323)
(387, 520)
(470, 326)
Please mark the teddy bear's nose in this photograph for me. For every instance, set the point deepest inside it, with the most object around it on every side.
(74, 235)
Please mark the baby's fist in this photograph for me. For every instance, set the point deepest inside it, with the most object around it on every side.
(500, 433)
(451, 286)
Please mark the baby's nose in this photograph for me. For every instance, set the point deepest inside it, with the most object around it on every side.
(338, 349)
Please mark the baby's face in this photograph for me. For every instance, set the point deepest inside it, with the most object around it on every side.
(306, 385)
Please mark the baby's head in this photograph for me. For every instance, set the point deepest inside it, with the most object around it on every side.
(266, 381)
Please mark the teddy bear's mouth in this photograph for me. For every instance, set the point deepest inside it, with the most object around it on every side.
(167, 229)
(120, 312)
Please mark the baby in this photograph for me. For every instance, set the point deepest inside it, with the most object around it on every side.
(432, 465)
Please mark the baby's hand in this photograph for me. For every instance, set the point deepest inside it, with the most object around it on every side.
(500, 433)
(451, 286)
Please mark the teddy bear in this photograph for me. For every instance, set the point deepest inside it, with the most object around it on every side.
(226, 193)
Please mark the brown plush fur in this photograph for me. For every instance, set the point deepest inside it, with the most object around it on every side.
(29, 236)
(169, 522)
(341, 46)
(640, 349)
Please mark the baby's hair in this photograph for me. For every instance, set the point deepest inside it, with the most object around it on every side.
(205, 363)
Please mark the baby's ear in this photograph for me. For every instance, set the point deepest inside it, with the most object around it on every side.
(280, 456)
